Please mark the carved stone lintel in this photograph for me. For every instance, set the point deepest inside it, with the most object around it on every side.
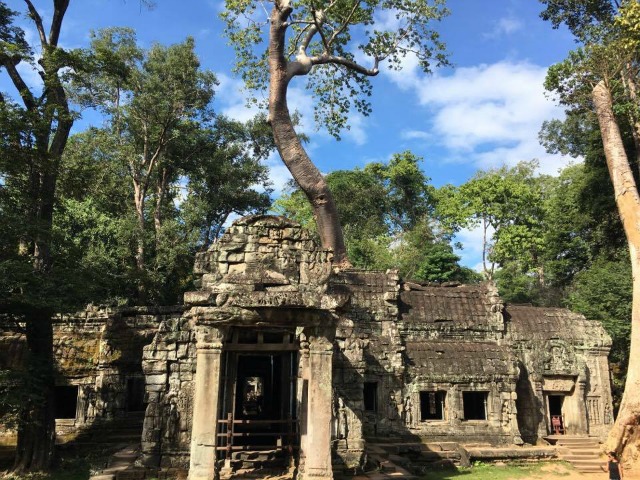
(210, 338)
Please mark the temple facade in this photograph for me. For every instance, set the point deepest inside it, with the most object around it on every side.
(278, 352)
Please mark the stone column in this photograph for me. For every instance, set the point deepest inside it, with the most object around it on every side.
(317, 444)
(581, 400)
(205, 405)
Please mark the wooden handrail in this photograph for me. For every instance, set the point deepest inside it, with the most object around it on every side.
(254, 434)
(258, 422)
(258, 447)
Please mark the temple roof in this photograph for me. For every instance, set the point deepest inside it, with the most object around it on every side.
(526, 322)
(463, 304)
(448, 361)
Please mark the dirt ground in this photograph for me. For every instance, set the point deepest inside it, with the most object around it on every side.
(561, 471)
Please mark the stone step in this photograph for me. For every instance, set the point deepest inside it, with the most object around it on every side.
(583, 453)
(580, 453)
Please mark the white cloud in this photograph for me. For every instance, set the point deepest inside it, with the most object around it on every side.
(487, 115)
(415, 135)
(387, 19)
(233, 97)
(505, 26)
(356, 132)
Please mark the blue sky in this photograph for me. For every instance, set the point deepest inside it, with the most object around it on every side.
(483, 112)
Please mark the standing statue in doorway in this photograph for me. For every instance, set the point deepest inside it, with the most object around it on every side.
(343, 424)
(393, 407)
(408, 411)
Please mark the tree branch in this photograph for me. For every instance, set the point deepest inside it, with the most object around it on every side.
(318, 21)
(350, 64)
(37, 19)
(345, 24)
(60, 8)
(21, 86)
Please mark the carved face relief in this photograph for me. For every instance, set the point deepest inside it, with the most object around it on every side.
(559, 358)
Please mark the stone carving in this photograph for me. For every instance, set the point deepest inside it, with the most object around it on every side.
(558, 384)
(559, 358)
(607, 414)
(505, 413)
(393, 407)
(593, 410)
(408, 411)
(173, 418)
(342, 429)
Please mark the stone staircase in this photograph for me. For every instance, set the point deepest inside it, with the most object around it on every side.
(408, 459)
(584, 453)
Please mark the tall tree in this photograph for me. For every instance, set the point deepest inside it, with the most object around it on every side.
(156, 101)
(601, 77)
(505, 203)
(316, 39)
(42, 141)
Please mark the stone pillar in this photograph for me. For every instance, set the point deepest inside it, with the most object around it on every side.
(317, 444)
(205, 408)
(580, 394)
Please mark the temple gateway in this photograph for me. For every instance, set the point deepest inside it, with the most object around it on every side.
(277, 357)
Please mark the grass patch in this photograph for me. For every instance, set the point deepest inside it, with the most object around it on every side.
(484, 471)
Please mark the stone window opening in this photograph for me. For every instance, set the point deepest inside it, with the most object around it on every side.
(474, 405)
(432, 405)
(135, 394)
(370, 394)
(66, 402)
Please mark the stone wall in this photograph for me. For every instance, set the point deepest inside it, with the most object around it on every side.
(99, 351)
(169, 365)
(378, 358)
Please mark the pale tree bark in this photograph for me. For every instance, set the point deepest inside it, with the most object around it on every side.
(293, 154)
(625, 430)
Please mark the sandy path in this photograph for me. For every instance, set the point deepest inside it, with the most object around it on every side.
(561, 471)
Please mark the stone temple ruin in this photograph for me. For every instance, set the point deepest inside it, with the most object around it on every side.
(279, 356)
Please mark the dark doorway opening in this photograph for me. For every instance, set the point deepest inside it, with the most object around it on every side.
(66, 402)
(370, 394)
(432, 405)
(135, 394)
(258, 403)
(259, 388)
(555, 413)
(475, 405)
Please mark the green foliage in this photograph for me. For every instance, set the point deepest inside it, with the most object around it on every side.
(584, 18)
(506, 204)
(603, 292)
(159, 181)
(12, 38)
(387, 215)
(324, 36)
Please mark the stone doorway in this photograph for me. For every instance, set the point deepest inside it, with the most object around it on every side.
(258, 406)
(556, 417)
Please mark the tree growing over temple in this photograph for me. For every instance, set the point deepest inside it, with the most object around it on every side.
(338, 45)
(601, 78)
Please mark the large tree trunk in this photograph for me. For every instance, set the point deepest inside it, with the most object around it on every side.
(294, 156)
(139, 201)
(628, 202)
(36, 429)
(53, 122)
